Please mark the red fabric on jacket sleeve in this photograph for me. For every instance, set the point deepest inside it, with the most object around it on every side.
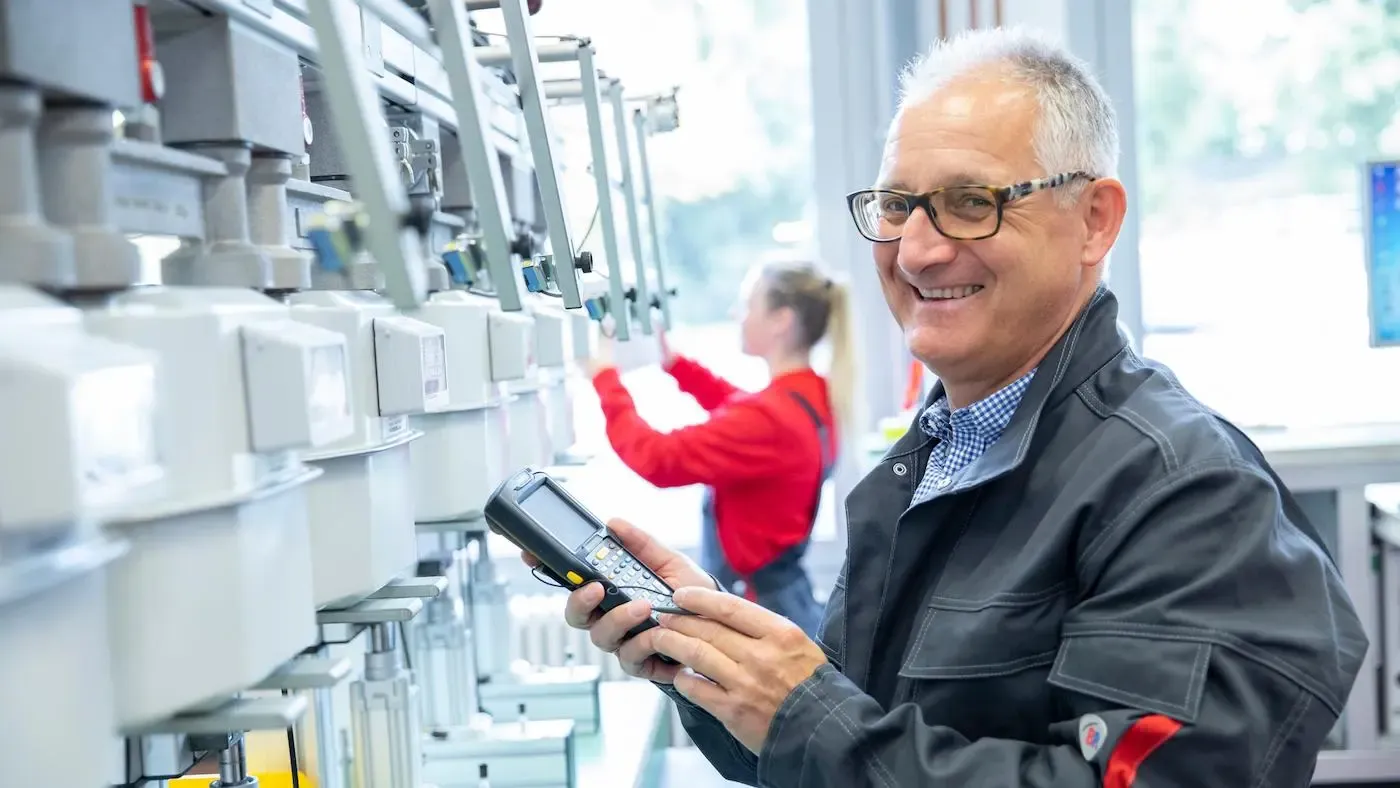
(708, 389)
(732, 445)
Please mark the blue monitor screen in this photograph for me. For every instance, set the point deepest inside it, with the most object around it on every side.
(1383, 251)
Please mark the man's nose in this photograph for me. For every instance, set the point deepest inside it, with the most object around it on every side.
(922, 246)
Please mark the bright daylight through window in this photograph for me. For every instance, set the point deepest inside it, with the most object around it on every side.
(1255, 119)
(733, 183)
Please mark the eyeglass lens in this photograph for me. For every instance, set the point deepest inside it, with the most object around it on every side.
(958, 212)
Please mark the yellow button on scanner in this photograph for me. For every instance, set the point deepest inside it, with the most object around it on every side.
(573, 577)
(601, 554)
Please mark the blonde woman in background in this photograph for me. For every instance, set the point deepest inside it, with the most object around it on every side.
(763, 456)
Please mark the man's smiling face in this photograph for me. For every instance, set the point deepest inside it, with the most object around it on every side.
(969, 305)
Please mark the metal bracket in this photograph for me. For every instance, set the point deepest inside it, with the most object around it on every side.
(239, 714)
(307, 674)
(592, 105)
(527, 77)
(418, 161)
(639, 121)
(547, 53)
(412, 588)
(629, 196)
(483, 167)
(358, 119)
(373, 611)
(468, 523)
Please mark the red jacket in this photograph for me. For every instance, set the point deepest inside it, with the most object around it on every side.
(759, 452)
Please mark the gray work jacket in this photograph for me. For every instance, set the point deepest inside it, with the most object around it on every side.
(1123, 579)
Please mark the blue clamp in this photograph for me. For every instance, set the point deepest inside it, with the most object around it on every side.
(456, 264)
(328, 252)
(533, 281)
(595, 308)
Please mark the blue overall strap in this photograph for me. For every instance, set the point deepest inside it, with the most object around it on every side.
(827, 460)
(823, 435)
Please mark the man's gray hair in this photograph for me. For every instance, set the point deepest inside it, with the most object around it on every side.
(1077, 129)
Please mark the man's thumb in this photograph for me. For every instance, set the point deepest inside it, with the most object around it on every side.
(637, 541)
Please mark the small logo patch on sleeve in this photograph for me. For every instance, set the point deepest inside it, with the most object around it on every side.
(1092, 733)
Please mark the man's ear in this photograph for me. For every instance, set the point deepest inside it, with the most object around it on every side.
(1105, 205)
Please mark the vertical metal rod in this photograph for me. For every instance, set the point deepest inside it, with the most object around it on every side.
(233, 766)
(330, 764)
(629, 196)
(473, 135)
(639, 120)
(527, 76)
(360, 124)
(592, 108)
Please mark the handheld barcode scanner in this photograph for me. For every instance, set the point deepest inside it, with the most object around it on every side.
(574, 548)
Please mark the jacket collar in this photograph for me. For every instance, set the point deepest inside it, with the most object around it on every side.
(1091, 341)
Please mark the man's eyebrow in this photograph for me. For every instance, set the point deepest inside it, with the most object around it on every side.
(962, 178)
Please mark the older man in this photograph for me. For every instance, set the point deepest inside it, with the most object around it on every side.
(1070, 572)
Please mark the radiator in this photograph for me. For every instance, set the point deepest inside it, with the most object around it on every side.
(539, 635)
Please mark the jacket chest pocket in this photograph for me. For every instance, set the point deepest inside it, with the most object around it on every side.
(1002, 635)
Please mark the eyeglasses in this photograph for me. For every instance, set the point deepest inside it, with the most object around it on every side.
(962, 213)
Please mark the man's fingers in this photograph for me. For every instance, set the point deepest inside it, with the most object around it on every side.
(638, 542)
(653, 669)
(578, 610)
(529, 559)
(609, 631)
(638, 658)
(735, 612)
(699, 690)
(697, 655)
(713, 632)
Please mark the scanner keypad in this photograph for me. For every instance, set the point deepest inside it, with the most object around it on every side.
(625, 572)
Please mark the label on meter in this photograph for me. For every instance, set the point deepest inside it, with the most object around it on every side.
(434, 366)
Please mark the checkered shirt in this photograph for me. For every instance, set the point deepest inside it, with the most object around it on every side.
(964, 434)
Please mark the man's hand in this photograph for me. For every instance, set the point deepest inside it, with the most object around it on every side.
(636, 655)
(743, 660)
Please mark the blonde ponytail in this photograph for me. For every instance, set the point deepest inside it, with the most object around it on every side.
(823, 311)
(841, 378)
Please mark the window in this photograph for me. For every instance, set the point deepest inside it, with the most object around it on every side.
(733, 183)
(1254, 120)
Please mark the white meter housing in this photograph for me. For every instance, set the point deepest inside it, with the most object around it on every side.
(462, 455)
(227, 551)
(514, 362)
(298, 386)
(78, 433)
(223, 353)
(93, 401)
(466, 320)
(411, 357)
(580, 343)
(551, 338)
(362, 507)
(512, 347)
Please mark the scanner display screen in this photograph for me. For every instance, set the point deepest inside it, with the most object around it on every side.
(555, 515)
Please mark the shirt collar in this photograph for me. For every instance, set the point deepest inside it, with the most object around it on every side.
(984, 420)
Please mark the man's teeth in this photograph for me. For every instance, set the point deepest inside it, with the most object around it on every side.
(948, 293)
